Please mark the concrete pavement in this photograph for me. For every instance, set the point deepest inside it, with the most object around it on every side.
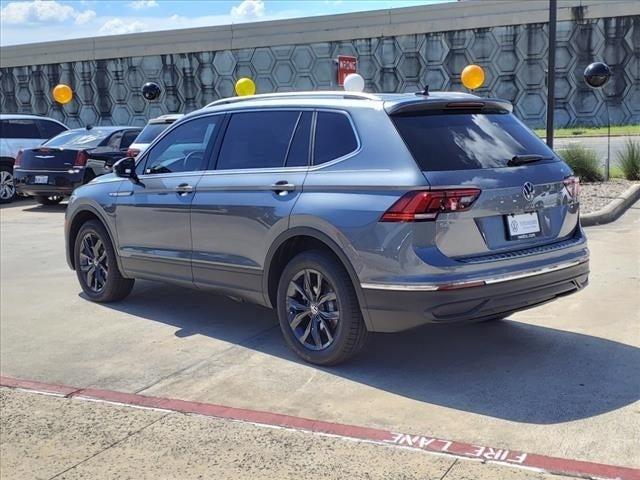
(44, 436)
(559, 380)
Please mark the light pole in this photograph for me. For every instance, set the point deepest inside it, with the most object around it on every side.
(596, 75)
(551, 70)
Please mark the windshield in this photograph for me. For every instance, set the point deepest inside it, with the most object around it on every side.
(150, 132)
(466, 141)
(79, 138)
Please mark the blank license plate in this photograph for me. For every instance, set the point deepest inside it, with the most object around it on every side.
(41, 179)
(523, 225)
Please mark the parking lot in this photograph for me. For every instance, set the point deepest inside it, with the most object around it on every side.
(559, 380)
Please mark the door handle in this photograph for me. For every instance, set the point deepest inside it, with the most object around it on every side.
(184, 188)
(282, 187)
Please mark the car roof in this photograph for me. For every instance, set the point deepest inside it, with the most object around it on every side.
(168, 118)
(23, 116)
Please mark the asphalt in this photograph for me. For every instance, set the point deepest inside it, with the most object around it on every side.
(47, 437)
(559, 380)
(598, 144)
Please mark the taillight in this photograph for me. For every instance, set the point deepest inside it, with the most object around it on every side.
(572, 184)
(18, 160)
(133, 152)
(81, 159)
(427, 204)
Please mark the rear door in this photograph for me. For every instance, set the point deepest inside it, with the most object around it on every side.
(153, 216)
(244, 203)
(520, 205)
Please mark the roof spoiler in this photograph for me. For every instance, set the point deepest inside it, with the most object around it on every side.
(444, 105)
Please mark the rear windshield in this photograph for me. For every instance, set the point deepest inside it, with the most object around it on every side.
(467, 141)
(150, 132)
(79, 138)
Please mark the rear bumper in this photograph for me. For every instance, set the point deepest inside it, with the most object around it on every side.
(393, 308)
(59, 182)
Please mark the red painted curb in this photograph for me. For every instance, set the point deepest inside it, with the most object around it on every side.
(495, 455)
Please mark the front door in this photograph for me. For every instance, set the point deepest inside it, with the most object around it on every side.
(244, 202)
(153, 215)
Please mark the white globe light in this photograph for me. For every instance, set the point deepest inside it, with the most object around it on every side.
(353, 83)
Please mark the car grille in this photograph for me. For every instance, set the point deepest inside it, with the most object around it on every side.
(522, 253)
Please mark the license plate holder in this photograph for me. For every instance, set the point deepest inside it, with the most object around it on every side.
(521, 226)
(41, 179)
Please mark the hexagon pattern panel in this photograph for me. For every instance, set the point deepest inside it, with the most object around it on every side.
(514, 58)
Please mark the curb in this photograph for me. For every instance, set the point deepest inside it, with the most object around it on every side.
(485, 454)
(612, 211)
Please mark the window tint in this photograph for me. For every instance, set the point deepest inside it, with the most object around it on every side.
(79, 138)
(114, 141)
(334, 137)
(257, 139)
(151, 131)
(128, 137)
(19, 129)
(49, 129)
(467, 141)
(298, 155)
(183, 149)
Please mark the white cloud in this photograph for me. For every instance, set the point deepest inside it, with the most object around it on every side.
(85, 17)
(118, 26)
(248, 9)
(140, 4)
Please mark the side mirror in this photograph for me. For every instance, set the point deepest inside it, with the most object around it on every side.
(126, 168)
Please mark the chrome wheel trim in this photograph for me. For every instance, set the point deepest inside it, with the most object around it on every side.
(93, 262)
(313, 312)
(7, 186)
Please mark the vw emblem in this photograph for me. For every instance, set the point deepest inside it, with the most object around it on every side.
(527, 191)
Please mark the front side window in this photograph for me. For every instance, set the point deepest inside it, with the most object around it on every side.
(19, 129)
(257, 139)
(335, 137)
(183, 149)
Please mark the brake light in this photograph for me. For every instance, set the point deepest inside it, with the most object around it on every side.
(18, 160)
(572, 184)
(133, 152)
(81, 159)
(427, 204)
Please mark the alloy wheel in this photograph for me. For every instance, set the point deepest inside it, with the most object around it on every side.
(313, 310)
(93, 262)
(7, 187)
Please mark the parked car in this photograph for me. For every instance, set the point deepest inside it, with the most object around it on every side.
(148, 134)
(51, 172)
(18, 132)
(347, 213)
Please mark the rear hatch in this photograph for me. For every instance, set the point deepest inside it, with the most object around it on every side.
(526, 196)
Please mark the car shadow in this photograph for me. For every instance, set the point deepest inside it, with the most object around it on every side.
(61, 207)
(505, 369)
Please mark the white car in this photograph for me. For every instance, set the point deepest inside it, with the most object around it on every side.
(149, 133)
(18, 132)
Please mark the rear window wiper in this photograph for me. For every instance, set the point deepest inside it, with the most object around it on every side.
(522, 159)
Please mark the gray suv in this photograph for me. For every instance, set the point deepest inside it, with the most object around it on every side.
(347, 213)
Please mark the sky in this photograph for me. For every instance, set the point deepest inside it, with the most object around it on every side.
(29, 21)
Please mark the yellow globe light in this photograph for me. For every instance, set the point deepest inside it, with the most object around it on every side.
(472, 76)
(245, 86)
(62, 93)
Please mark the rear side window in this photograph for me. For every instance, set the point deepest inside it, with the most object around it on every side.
(467, 141)
(151, 131)
(128, 137)
(257, 139)
(335, 137)
(19, 129)
(49, 129)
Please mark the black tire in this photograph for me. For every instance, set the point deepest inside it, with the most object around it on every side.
(7, 184)
(348, 331)
(51, 200)
(113, 286)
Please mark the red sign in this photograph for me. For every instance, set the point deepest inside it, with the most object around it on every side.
(346, 65)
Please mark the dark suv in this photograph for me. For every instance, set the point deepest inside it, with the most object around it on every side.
(348, 213)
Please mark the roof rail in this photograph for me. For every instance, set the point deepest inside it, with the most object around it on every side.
(313, 94)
